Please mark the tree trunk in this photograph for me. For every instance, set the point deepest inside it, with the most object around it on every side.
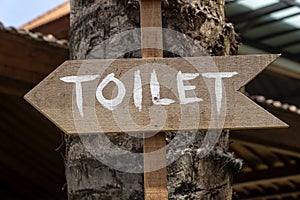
(93, 21)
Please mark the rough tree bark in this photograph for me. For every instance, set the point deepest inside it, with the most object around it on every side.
(93, 21)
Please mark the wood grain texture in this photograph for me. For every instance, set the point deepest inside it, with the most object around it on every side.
(155, 182)
(57, 100)
(150, 16)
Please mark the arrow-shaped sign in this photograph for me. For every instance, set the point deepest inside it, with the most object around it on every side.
(151, 95)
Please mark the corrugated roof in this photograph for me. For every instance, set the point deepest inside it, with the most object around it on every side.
(50, 39)
(272, 25)
(276, 104)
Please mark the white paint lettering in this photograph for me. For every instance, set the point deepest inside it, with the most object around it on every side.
(137, 90)
(155, 91)
(182, 88)
(78, 87)
(218, 85)
(110, 103)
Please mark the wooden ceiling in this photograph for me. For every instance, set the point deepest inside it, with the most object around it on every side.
(31, 167)
(267, 173)
(31, 162)
(271, 26)
(27, 58)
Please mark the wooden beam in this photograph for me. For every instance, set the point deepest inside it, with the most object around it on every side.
(278, 174)
(254, 15)
(58, 27)
(14, 87)
(284, 140)
(25, 61)
(29, 54)
(291, 195)
(251, 159)
(22, 138)
(155, 182)
(15, 109)
(13, 72)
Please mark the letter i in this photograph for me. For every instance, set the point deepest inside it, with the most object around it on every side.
(137, 90)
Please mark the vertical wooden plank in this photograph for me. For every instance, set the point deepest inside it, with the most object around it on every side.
(155, 182)
(151, 17)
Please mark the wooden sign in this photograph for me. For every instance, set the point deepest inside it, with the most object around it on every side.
(153, 94)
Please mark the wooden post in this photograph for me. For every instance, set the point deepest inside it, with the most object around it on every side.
(151, 17)
(155, 182)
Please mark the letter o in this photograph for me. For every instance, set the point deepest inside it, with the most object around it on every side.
(110, 103)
